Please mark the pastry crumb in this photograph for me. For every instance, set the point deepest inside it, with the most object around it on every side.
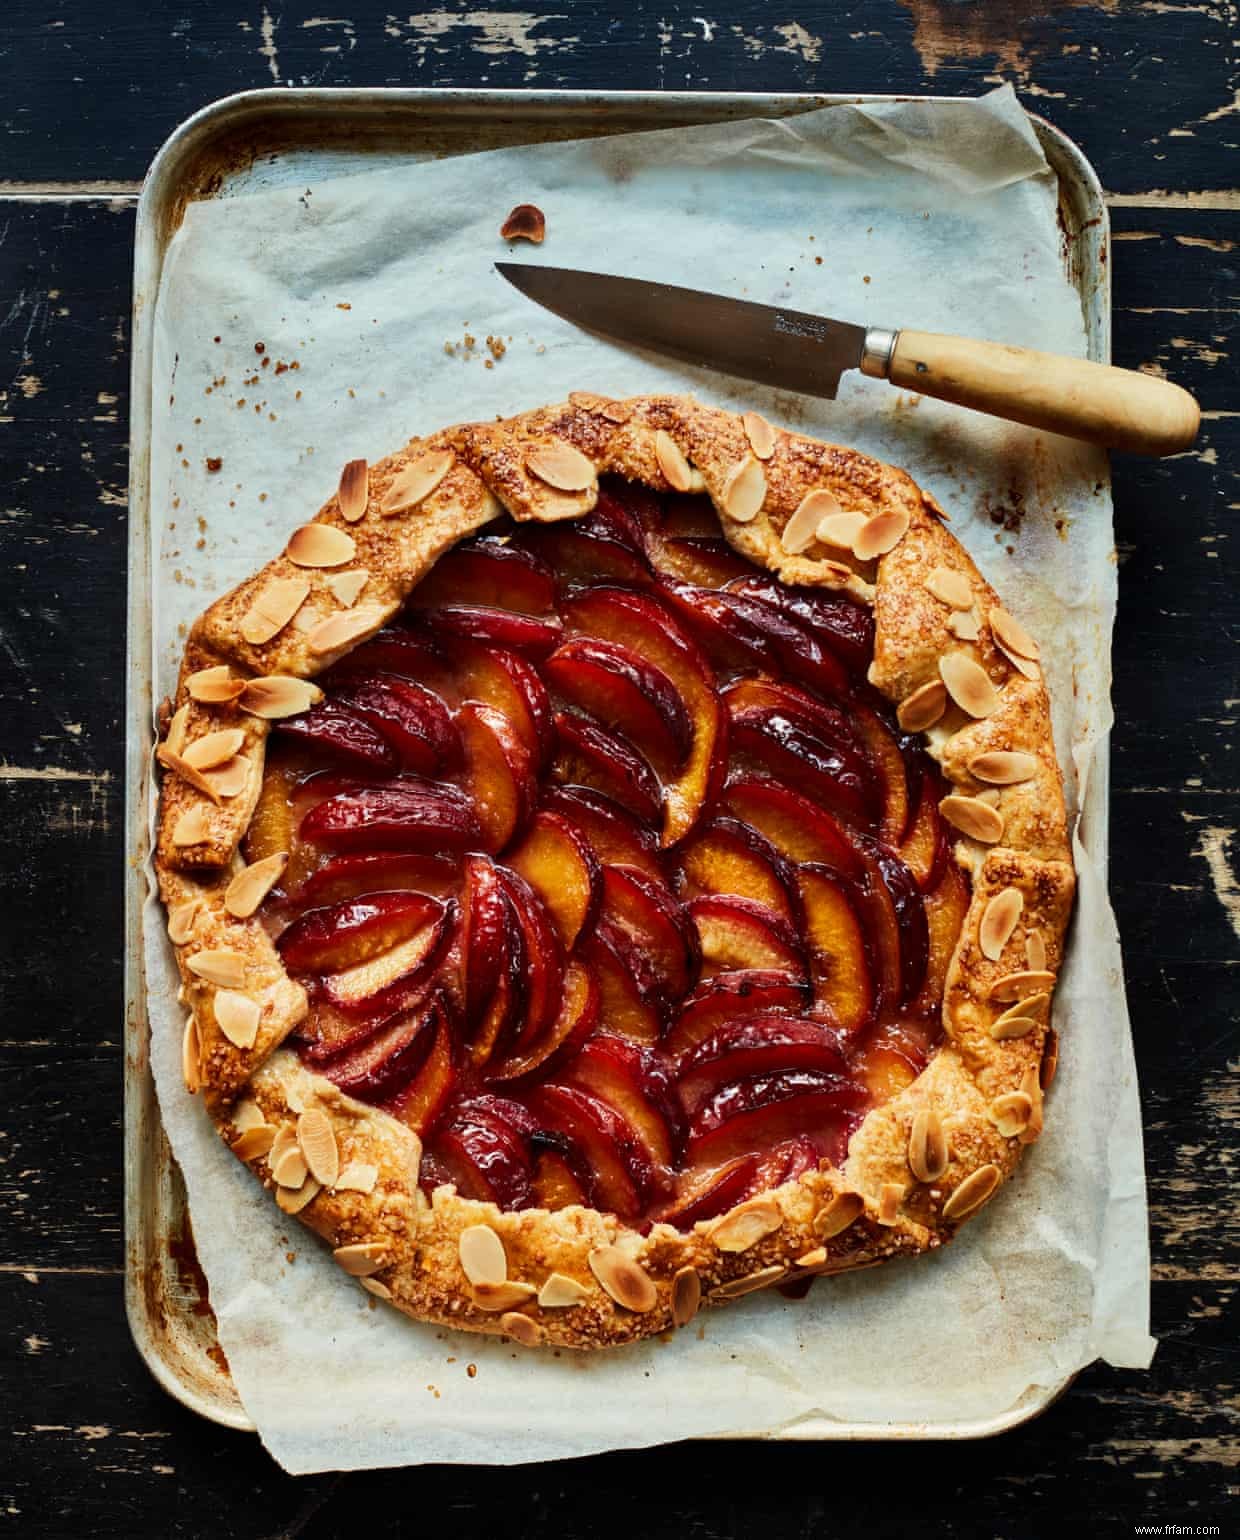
(213, 464)
(527, 222)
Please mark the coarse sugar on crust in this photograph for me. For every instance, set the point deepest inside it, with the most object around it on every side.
(917, 1166)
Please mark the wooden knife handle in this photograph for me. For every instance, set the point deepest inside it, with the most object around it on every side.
(1118, 408)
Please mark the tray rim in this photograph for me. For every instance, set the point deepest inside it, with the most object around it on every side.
(167, 190)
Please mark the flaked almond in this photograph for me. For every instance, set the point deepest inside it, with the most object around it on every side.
(346, 587)
(562, 466)
(990, 795)
(219, 966)
(255, 1142)
(617, 411)
(965, 625)
(1010, 1025)
(1034, 1007)
(1011, 635)
(353, 492)
(526, 222)
(521, 1329)
(1017, 986)
(252, 884)
(801, 530)
(482, 1255)
(237, 1017)
(973, 817)
(998, 922)
(286, 1140)
(677, 471)
(1025, 666)
(1003, 767)
(279, 695)
(821, 505)
(317, 1139)
(502, 1296)
(181, 920)
(686, 1295)
(1035, 951)
(968, 684)
(843, 1210)
(290, 1170)
(880, 534)
(193, 827)
(841, 529)
(362, 1258)
(626, 1281)
(190, 774)
(348, 626)
(923, 708)
(812, 1259)
(248, 1114)
(191, 1057)
(760, 434)
(951, 586)
(214, 686)
(272, 609)
(373, 1286)
(928, 1150)
(588, 400)
(320, 545)
(232, 777)
(744, 491)
(1031, 1086)
(972, 1192)
(416, 482)
(214, 749)
(560, 1292)
(293, 1199)
(736, 1287)
(1050, 1060)
(178, 730)
(1010, 1113)
(747, 1225)
(357, 1176)
(890, 1197)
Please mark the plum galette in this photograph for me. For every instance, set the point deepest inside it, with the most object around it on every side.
(616, 860)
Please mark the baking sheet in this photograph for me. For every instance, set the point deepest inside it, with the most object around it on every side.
(896, 193)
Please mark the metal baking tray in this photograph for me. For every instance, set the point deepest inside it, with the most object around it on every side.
(263, 139)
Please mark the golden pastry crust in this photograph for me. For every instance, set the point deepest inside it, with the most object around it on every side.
(952, 660)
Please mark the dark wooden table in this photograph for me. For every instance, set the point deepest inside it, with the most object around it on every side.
(88, 91)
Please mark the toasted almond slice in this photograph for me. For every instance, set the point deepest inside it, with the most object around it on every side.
(990, 795)
(279, 695)
(1011, 635)
(193, 827)
(362, 1258)
(1050, 1059)
(560, 1292)
(255, 1142)
(968, 684)
(346, 587)
(232, 777)
(616, 411)
(1025, 666)
(191, 776)
(214, 749)
(237, 1017)
(357, 1176)
(880, 534)
(1034, 1007)
(181, 921)
(972, 1192)
(317, 1139)
(1031, 1086)
(626, 1281)
(676, 469)
(744, 491)
(998, 922)
(293, 1199)
(1035, 951)
(416, 482)
(1003, 767)
(923, 708)
(178, 730)
(686, 1295)
(348, 626)
(521, 1329)
(502, 1296)
(562, 466)
(760, 434)
(248, 1114)
(1008, 1026)
(214, 686)
(801, 530)
(843, 1210)
(373, 1286)
(482, 1255)
(353, 492)
(1010, 1113)
(890, 1197)
(272, 609)
(191, 1057)
(290, 1170)
(252, 884)
(841, 529)
(966, 626)
(736, 1287)
(746, 1225)
(973, 817)
(219, 966)
(286, 1140)
(588, 400)
(951, 586)
(1029, 981)
(812, 1259)
(928, 1149)
(320, 545)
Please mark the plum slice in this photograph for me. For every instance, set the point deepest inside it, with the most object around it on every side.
(839, 956)
(395, 980)
(946, 906)
(535, 634)
(706, 1197)
(622, 1171)
(588, 754)
(542, 976)
(426, 1097)
(795, 826)
(344, 935)
(739, 933)
(492, 572)
(841, 624)
(756, 1113)
(657, 927)
(924, 847)
(560, 866)
(703, 560)
(409, 717)
(731, 857)
(888, 764)
(499, 774)
(758, 1045)
(349, 876)
(896, 897)
(335, 730)
(611, 831)
(622, 690)
(587, 556)
(730, 996)
(636, 1083)
(629, 1004)
(387, 1061)
(484, 1145)
(576, 1019)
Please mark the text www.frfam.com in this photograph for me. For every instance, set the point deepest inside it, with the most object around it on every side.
(1176, 1529)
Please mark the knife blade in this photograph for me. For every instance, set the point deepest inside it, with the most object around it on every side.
(793, 350)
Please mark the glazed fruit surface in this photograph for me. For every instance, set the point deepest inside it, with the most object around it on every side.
(608, 872)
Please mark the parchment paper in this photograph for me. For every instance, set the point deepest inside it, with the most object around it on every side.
(939, 216)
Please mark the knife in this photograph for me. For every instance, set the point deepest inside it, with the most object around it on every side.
(1118, 408)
